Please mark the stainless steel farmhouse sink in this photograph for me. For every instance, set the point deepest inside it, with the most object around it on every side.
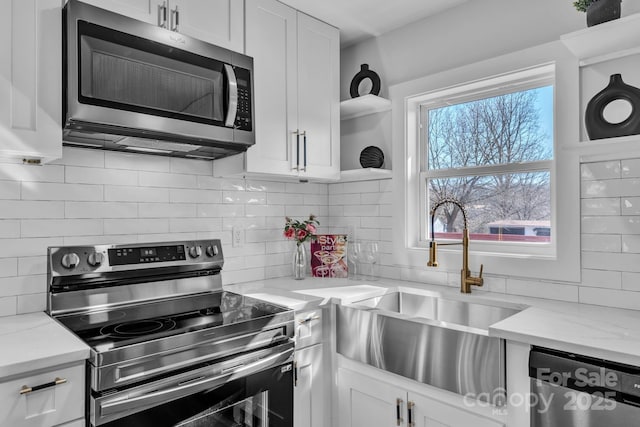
(436, 340)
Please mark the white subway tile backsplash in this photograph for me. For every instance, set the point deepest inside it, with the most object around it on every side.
(631, 281)
(19, 285)
(599, 207)
(31, 303)
(83, 175)
(630, 205)
(60, 227)
(270, 186)
(600, 170)
(8, 306)
(10, 190)
(631, 244)
(303, 212)
(27, 247)
(610, 298)
(361, 210)
(601, 242)
(32, 265)
(546, 290)
(17, 209)
(29, 173)
(611, 224)
(186, 225)
(136, 162)
(100, 240)
(136, 226)
(8, 267)
(209, 183)
(9, 229)
(195, 196)
(611, 261)
(344, 199)
(245, 197)
(100, 210)
(67, 192)
(167, 180)
(167, 210)
(630, 168)
(611, 188)
(289, 199)
(602, 279)
(86, 157)
(116, 193)
(191, 166)
(264, 210)
(361, 187)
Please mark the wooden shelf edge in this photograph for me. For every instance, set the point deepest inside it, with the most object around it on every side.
(365, 174)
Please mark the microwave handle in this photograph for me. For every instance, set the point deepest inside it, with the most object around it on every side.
(233, 96)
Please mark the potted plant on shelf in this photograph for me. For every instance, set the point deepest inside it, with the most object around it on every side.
(599, 11)
(300, 231)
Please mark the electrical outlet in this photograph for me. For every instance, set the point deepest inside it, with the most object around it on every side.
(236, 235)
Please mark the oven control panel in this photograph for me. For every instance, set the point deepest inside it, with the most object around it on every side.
(74, 260)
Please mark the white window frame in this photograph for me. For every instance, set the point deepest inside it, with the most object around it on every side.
(561, 265)
(495, 86)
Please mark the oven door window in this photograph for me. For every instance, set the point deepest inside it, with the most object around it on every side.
(130, 73)
(263, 399)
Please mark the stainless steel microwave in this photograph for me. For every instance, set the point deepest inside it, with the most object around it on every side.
(133, 86)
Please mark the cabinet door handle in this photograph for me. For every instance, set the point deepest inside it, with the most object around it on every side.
(297, 166)
(304, 139)
(295, 373)
(410, 406)
(26, 389)
(162, 15)
(399, 411)
(175, 19)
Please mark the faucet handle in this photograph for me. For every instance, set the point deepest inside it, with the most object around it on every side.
(481, 268)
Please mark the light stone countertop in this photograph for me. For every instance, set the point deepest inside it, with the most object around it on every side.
(34, 341)
(602, 332)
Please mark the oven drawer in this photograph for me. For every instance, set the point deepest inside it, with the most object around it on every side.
(308, 328)
(48, 398)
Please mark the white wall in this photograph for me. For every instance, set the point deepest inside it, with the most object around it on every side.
(101, 197)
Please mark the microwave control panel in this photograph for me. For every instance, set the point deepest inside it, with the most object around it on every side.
(243, 116)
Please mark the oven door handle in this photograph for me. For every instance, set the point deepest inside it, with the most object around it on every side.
(138, 403)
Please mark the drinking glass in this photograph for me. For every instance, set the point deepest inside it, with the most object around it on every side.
(370, 260)
(353, 257)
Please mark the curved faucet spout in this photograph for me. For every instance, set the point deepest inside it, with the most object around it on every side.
(466, 280)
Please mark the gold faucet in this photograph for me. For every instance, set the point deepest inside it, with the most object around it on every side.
(466, 279)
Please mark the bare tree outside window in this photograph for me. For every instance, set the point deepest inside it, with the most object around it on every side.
(499, 132)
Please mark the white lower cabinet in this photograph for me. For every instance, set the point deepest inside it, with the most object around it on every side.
(49, 398)
(310, 400)
(309, 408)
(365, 401)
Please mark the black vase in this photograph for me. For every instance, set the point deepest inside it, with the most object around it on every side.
(597, 126)
(602, 11)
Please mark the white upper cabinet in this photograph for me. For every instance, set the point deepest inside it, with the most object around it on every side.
(319, 96)
(219, 22)
(297, 100)
(31, 79)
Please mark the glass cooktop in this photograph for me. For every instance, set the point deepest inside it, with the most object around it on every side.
(117, 327)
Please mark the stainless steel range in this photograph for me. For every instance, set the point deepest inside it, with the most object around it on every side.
(169, 347)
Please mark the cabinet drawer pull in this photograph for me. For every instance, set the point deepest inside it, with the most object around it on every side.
(398, 411)
(308, 319)
(410, 406)
(26, 389)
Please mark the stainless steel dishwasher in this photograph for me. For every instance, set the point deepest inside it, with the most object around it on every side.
(571, 390)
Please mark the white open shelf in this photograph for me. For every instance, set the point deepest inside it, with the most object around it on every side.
(365, 174)
(607, 41)
(607, 148)
(362, 106)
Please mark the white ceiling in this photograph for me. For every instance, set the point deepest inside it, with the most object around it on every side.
(361, 19)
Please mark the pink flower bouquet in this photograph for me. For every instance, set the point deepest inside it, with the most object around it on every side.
(301, 231)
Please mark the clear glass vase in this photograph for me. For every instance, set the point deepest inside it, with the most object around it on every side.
(299, 262)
